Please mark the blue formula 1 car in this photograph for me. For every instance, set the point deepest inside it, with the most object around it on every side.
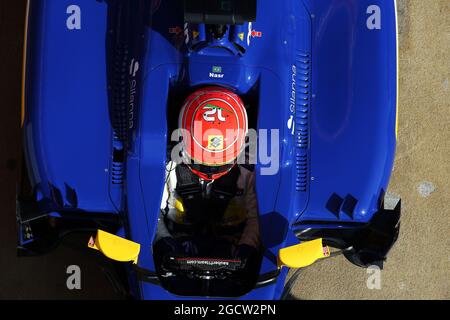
(104, 82)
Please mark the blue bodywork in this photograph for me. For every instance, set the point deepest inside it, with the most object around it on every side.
(311, 68)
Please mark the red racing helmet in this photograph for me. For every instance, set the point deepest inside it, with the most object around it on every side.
(214, 126)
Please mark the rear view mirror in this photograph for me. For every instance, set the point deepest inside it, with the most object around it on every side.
(303, 254)
(115, 248)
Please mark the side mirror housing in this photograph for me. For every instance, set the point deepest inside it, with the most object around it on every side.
(303, 254)
(115, 248)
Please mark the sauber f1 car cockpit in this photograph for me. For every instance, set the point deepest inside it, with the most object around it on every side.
(207, 147)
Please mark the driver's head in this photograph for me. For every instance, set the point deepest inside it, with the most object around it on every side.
(214, 123)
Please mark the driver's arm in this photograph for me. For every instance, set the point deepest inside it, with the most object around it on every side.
(250, 236)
